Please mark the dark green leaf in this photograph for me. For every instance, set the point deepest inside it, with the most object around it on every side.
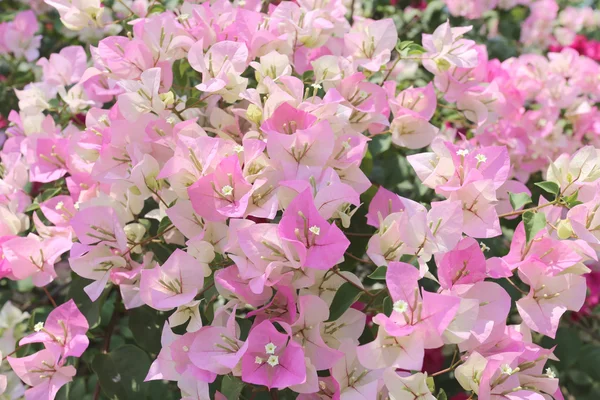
(121, 372)
(549, 187)
(345, 296)
(388, 306)
(308, 76)
(49, 193)
(164, 224)
(519, 200)
(367, 163)
(533, 223)
(32, 207)
(146, 325)
(90, 309)
(231, 387)
(161, 251)
(378, 274)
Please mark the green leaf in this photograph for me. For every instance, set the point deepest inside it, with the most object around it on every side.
(161, 251)
(231, 387)
(431, 384)
(403, 45)
(121, 372)
(533, 222)
(25, 285)
(588, 361)
(90, 309)
(345, 296)
(367, 163)
(378, 274)
(379, 144)
(146, 325)
(164, 224)
(572, 199)
(415, 49)
(308, 76)
(146, 223)
(550, 187)
(156, 9)
(49, 193)
(388, 306)
(442, 395)
(519, 200)
(32, 207)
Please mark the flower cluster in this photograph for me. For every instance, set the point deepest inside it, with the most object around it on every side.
(210, 165)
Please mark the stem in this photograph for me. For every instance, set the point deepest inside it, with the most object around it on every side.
(338, 273)
(450, 368)
(13, 352)
(109, 331)
(516, 287)
(146, 241)
(359, 259)
(50, 297)
(390, 70)
(205, 289)
(512, 213)
(358, 234)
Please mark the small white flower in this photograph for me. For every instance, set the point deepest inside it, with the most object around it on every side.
(59, 205)
(481, 158)
(400, 306)
(550, 373)
(38, 327)
(270, 348)
(506, 369)
(185, 348)
(484, 247)
(259, 360)
(316, 86)
(226, 190)
(462, 152)
(238, 148)
(171, 120)
(273, 361)
(315, 230)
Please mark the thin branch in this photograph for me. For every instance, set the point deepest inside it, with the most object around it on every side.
(50, 297)
(338, 273)
(516, 287)
(513, 213)
(106, 346)
(359, 259)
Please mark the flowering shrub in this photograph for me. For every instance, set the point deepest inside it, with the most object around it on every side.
(299, 200)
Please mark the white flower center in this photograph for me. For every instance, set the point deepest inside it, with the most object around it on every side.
(550, 373)
(273, 361)
(315, 230)
(238, 148)
(270, 348)
(481, 158)
(506, 369)
(226, 190)
(400, 306)
(462, 152)
(38, 327)
(258, 360)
